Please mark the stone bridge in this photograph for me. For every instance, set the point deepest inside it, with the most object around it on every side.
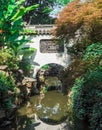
(47, 50)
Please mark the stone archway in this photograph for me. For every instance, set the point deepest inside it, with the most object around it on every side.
(50, 76)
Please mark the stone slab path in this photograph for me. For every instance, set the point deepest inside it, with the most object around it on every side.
(43, 126)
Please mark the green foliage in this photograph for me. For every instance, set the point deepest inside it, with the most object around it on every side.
(11, 23)
(94, 50)
(87, 97)
(26, 66)
(45, 67)
(41, 14)
(22, 10)
(64, 2)
(76, 69)
(4, 56)
(6, 82)
(47, 10)
(82, 22)
(25, 63)
(96, 116)
(27, 51)
(28, 32)
(78, 102)
(11, 26)
(7, 58)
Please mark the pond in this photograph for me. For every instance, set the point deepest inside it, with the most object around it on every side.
(52, 109)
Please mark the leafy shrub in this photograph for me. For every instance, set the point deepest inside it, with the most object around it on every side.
(7, 58)
(96, 116)
(45, 67)
(26, 66)
(76, 69)
(6, 84)
(94, 50)
(4, 56)
(87, 97)
(78, 98)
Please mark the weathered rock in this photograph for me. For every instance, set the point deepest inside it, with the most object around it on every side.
(2, 114)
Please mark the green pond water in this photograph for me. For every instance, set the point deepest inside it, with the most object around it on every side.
(51, 109)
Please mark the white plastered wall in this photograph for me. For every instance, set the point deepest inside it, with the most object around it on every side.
(39, 59)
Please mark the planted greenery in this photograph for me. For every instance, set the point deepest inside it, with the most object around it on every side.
(7, 58)
(26, 66)
(94, 50)
(86, 98)
(11, 23)
(83, 77)
(8, 81)
(12, 44)
(4, 56)
(96, 116)
(42, 14)
(7, 84)
(45, 67)
(27, 51)
(81, 24)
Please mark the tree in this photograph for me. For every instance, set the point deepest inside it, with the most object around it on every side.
(42, 14)
(11, 41)
(11, 23)
(82, 22)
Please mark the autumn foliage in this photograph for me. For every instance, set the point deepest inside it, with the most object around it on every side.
(82, 23)
(86, 16)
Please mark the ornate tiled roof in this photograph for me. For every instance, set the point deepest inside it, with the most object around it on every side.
(45, 29)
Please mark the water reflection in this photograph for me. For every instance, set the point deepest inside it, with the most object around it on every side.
(52, 108)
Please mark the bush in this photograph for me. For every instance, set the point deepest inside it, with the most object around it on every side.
(7, 58)
(93, 51)
(7, 81)
(96, 116)
(26, 66)
(6, 84)
(87, 97)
